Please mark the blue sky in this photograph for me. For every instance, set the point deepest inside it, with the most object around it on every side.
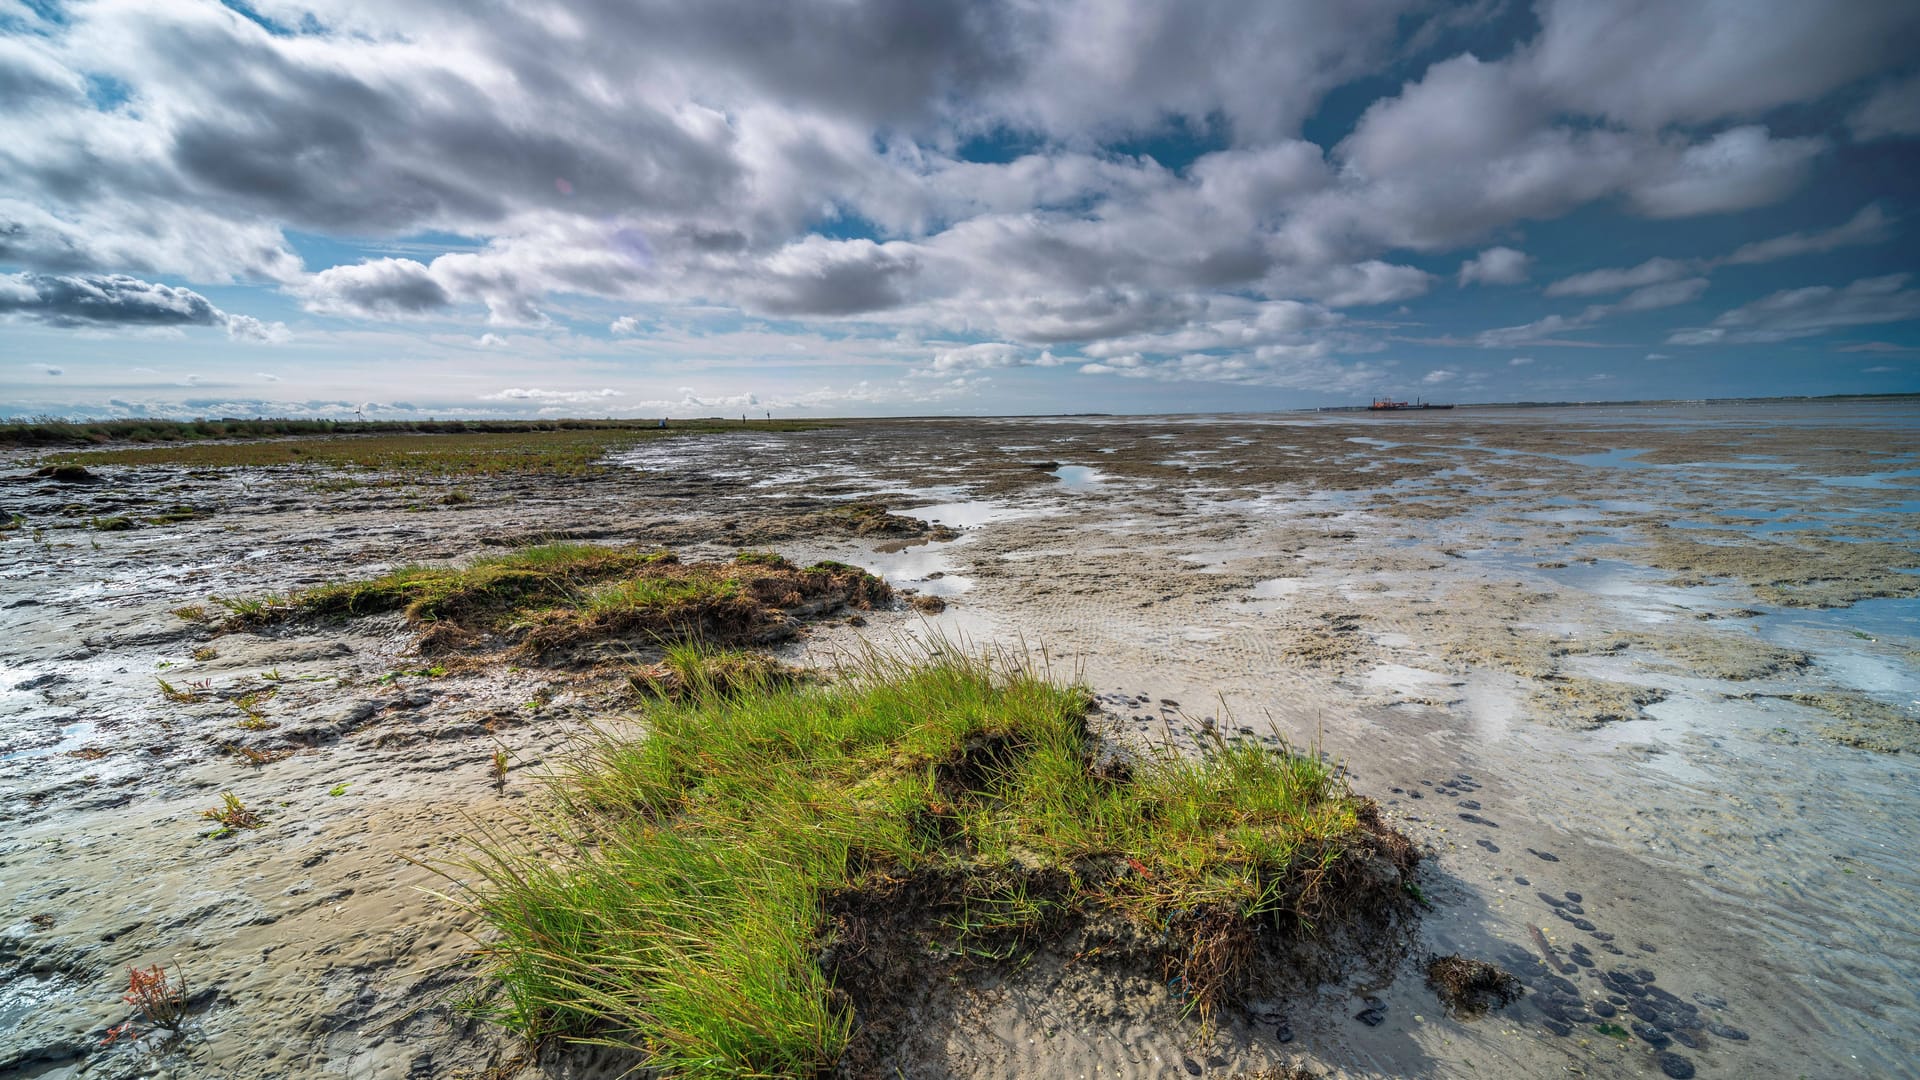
(855, 207)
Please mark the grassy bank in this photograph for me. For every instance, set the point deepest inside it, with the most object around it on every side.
(53, 431)
(726, 892)
(548, 597)
(459, 450)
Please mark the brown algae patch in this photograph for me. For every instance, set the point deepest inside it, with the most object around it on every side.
(1470, 987)
(1576, 701)
(1815, 573)
(550, 598)
(1862, 722)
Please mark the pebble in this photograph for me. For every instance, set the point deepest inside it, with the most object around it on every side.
(1603, 1009)
(1685, 1039)
(1518, 880)
(1551, 901)
(1583, 924)
(1726, 1031)
(1469, 804)
(1575, 897)
(1557, 1027)
(1575, 908)
(1644, 1011)
(1476, 819)
(1489, 845)
(1192, 1066)
(1711, 1001)
(1675, 1066)
(1544, 856)
(1373, 1014)
(1602, 935)
(1644, 975)
(1283, 1033)
(1653, 1036)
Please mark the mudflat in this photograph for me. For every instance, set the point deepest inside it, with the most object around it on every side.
(1639, 682)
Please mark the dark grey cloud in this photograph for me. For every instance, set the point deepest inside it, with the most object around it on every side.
(104, 300)
(117, 300)
(378, 287)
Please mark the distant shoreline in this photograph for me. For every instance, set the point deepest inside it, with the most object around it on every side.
(18, 430)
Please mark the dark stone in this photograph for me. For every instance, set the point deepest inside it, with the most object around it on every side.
(1610, 947)
(1192, 1066)
(1282, 1032)
(1583, 924)
(1489, 845)
(1563, 985)
(1603, 1009)
(1558, 1027)
(1685, 1039)
(1518, 880)
(1575, 908)
(1652, 1036)
(1602, 935)
(1644, 947)
(1543, 856)
(1644, 1011)
(1645, 975)
(1476, 819)
(1711, 1001)
(1727, 1031)
(1469, 804)
(1582, 959)
(1372, 1015)
(1675, 1066)
(1574, 896)
(1551, 901)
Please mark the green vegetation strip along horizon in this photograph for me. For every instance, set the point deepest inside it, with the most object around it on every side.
(718, 893)
(544, 450)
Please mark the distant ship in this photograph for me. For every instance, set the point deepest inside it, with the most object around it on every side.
(1389, 405)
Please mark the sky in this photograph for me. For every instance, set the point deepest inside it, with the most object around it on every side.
(896, 207)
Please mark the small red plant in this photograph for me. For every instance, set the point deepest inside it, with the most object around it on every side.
(159, 998)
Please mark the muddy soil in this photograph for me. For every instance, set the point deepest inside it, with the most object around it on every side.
(1640, 683)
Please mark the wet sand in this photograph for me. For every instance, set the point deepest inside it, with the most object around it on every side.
(1660, 660)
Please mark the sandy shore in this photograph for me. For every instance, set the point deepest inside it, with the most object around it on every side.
(1660, 662)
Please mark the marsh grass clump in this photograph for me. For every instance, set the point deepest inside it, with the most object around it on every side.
(231, 815)
(548, 598)
(693, 670)
(743, 889)
(1470, 987)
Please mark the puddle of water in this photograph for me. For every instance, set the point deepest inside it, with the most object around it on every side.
(72, 737)
(966, 514)
(1079, 477)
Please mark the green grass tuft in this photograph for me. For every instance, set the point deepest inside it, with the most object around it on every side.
(682, 902)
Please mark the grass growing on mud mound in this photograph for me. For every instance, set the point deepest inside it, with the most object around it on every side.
(689, 900)
(551, 596)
